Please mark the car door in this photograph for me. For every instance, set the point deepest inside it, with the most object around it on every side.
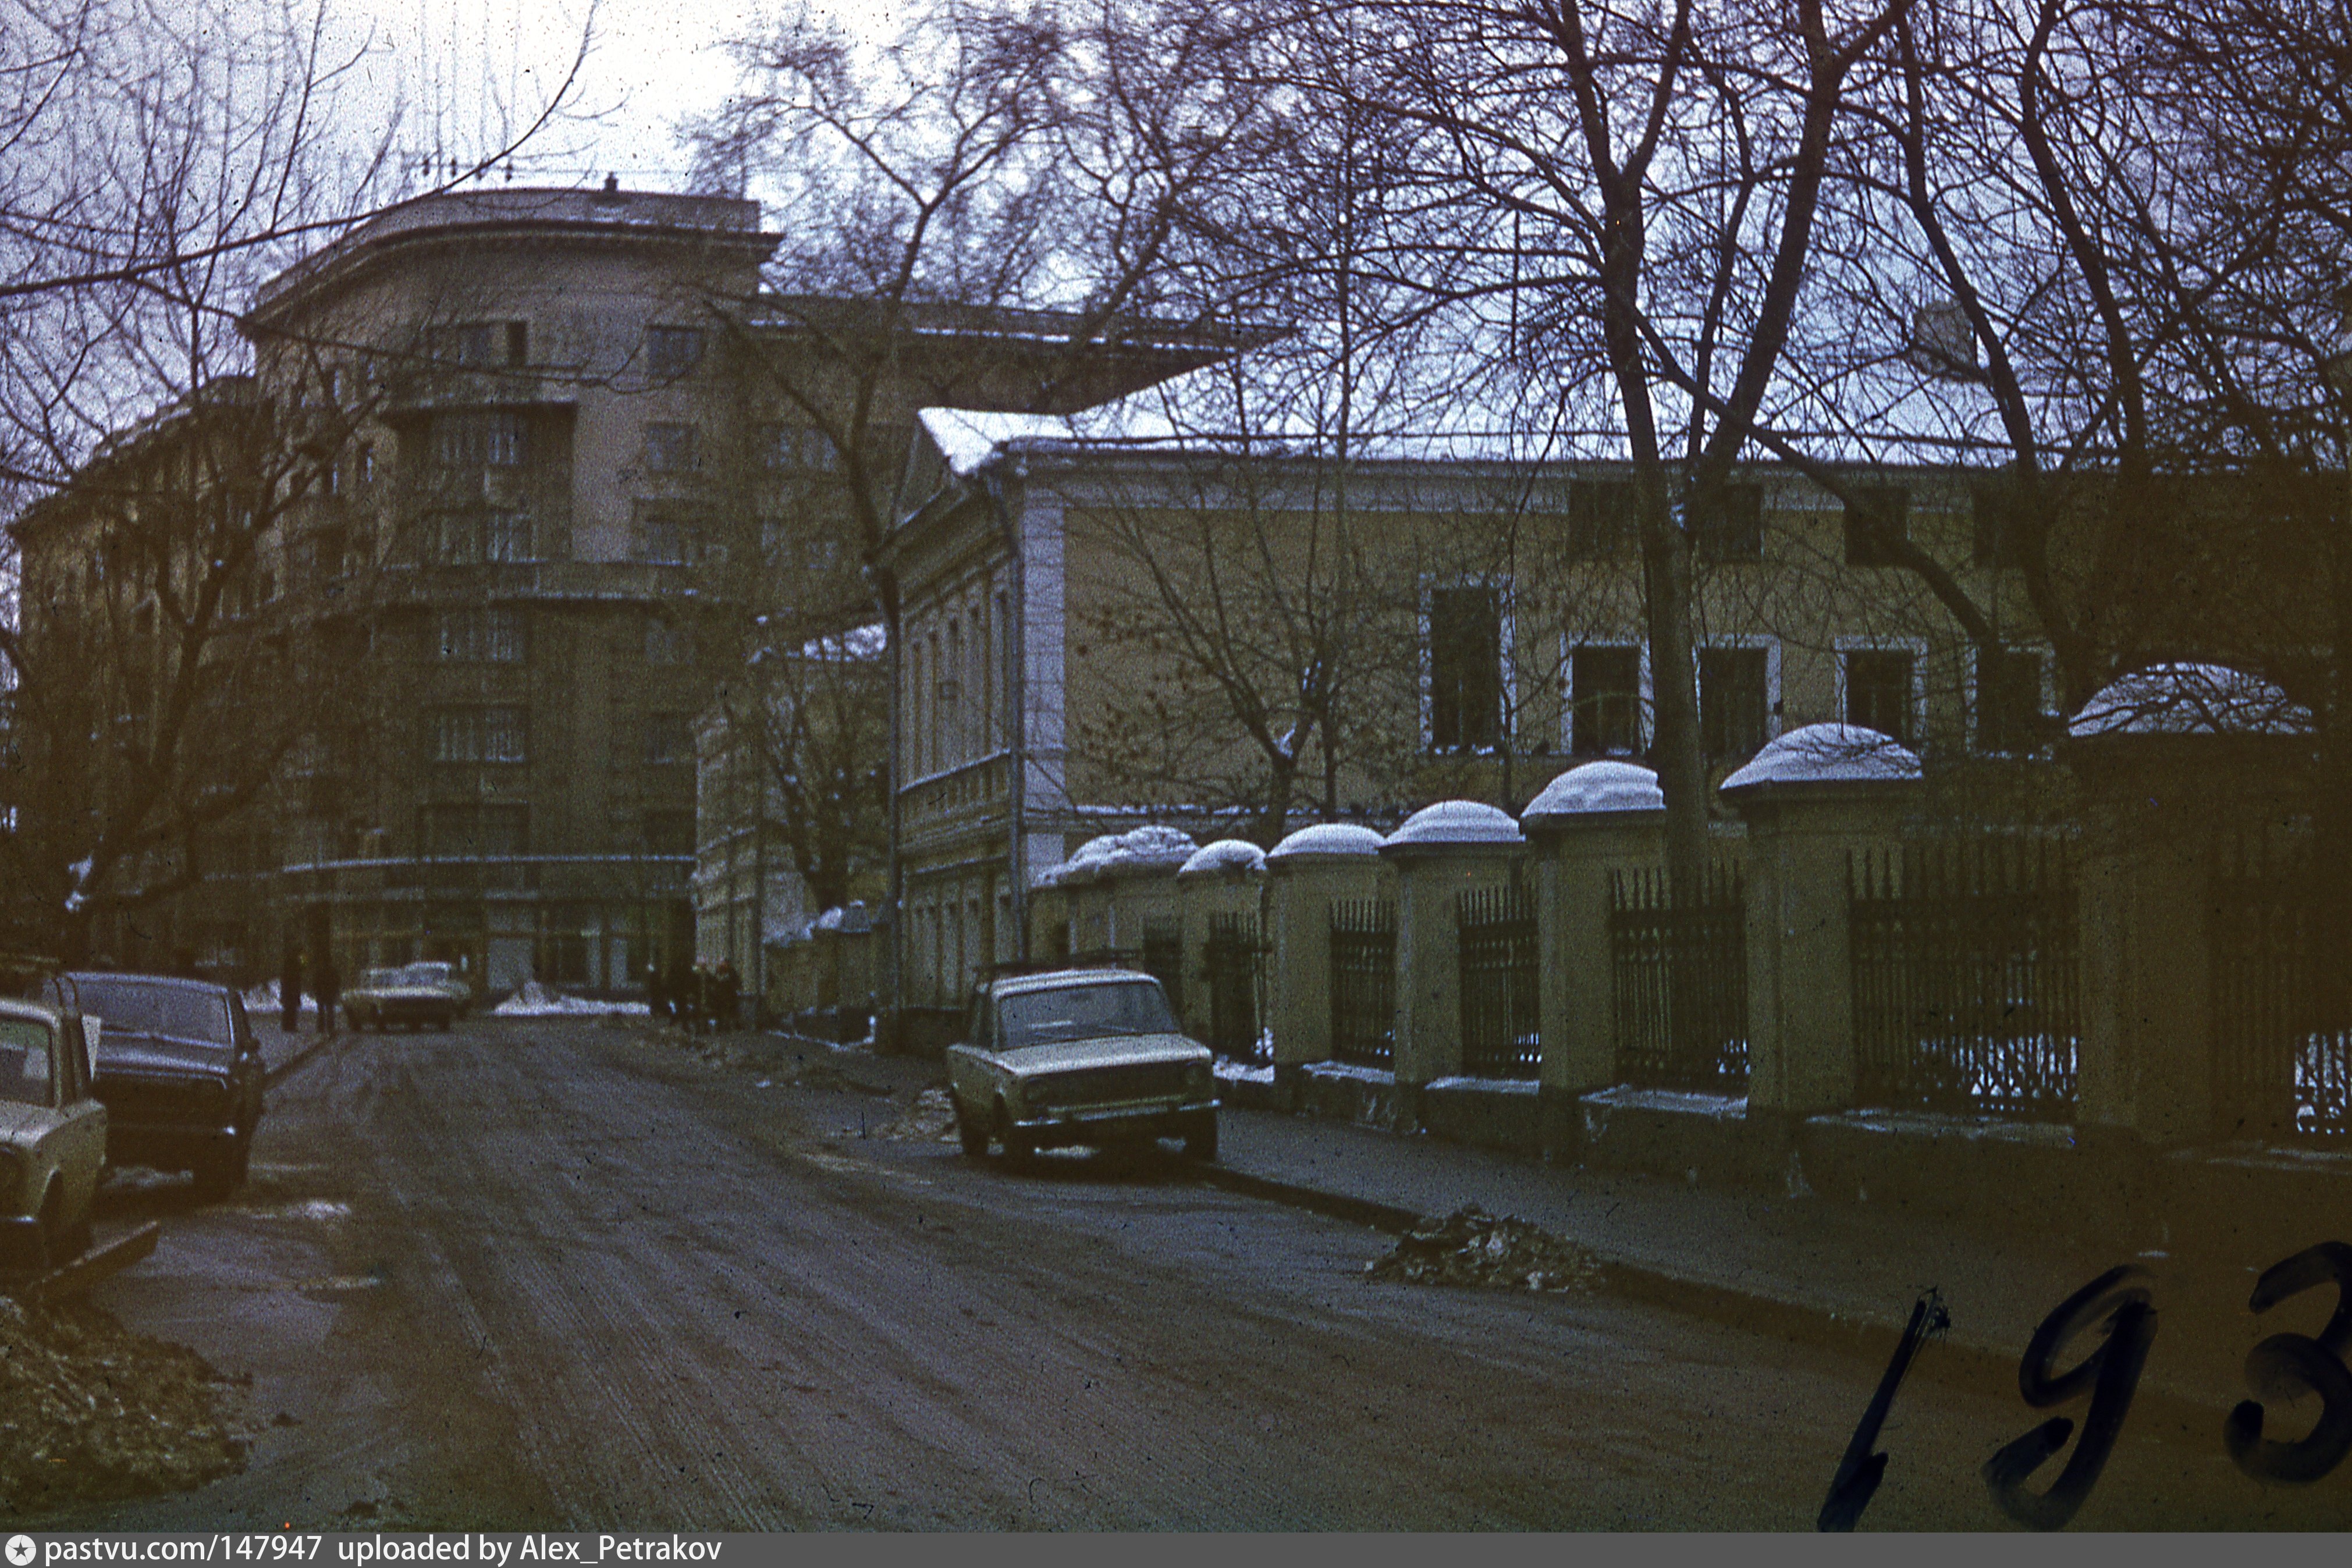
(251, 1073)
(81, 1127)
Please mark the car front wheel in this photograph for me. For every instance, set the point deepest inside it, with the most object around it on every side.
(1201, 1138)
(971, 1133)
(1018, 1146)
(224, 1172)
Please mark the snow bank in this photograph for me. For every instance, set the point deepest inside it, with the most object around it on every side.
(1145, 849)
(536, 1001)
(1327, 839)
(263, 1000)
(1457, 822)
(1828, 754)
(1596, 787)
(2191, 700)
(1225, 855)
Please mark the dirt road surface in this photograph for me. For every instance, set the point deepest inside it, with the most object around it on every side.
(570, 1275)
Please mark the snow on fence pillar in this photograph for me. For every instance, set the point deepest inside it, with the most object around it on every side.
(2174, 762)
(1307, 874)
(1440, 853)
(1592, 819)
(1115, 887)
(1220, 880)
(1811, 798)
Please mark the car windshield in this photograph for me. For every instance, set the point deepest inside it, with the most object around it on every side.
(422, 975)
(1082, 1012)
(174, 1013)
(25, 1058)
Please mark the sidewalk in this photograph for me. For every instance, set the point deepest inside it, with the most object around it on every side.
(1806, 1268)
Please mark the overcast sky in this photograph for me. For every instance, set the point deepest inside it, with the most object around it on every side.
(455, 62)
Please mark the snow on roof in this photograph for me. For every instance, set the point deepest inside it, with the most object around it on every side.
(968, 438)
(1827, 754)
(1327, 839)
(1596, 787)
(1225, 855)
(2191, 700)
(1456, 822)
(1146, 848)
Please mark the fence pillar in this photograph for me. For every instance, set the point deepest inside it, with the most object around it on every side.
(2170, 762)
(1306, 875)
(1588, 821)
(1440, 852)
(1222, 879)
(1811, 798)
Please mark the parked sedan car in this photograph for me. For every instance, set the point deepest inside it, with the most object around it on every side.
(442, 977)
(52, 1135)
(1078, 1056)
(404, 996)
(179, 1071)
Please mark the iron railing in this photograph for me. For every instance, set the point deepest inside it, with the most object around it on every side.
(1363, 982)
(1234, 968)
(1496, 948)
(1163, 959)
(1678, 980)
(2282, 1031)
(1966, 993)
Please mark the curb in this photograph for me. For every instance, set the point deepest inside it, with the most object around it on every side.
(1969, 1368)
(297, 1062)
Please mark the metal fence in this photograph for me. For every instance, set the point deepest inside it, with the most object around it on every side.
(1363, 982)
(1678, 980)
(2282, 1031)
(1496, 948)
(1965, 993)
(1236, 965)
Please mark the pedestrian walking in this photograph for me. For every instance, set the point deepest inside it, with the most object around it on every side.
(330, 994)
(289, 989)
(725, 996)
(680, 991)
(657, 993)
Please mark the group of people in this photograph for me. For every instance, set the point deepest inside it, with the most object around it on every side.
(327, 985)
(704, 998)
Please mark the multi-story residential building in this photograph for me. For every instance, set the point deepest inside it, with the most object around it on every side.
(575, 450)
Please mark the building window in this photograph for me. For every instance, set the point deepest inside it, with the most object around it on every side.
(672, 351)
(669, 737)
(1602, 518)
(1993, 507)
(469, 538)
(1735, 704)
(483, 636)
(506, 537)
(1466, 669)
(1604, 701)
(1732, 528)
(482, 345)
(668, 644)
(366, 463)
(665, 538)
(481, 735)
(670, 449)
(2009, 701)
(477, 440)
(1876, 525)
(1878, 690)
(798, 447)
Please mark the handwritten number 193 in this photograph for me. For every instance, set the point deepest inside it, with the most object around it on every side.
(2119, 1303)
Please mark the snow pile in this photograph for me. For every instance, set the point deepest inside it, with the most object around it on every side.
(1596, 787)
(536, 1001)
(1470, 1246)
(2191, 700)
(1146, 848)
(91, 1412)
(263, 1000)
(931, 1119)
(1327, 839)
(1229, 1070)
(1236, 855)
(1828, 754)
(1457, 822)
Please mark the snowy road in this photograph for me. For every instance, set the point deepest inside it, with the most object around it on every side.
(559, 1274)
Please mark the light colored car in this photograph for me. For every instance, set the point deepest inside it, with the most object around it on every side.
(442, 977)
(1078, 1056)
(52, 1135)
(409, 996)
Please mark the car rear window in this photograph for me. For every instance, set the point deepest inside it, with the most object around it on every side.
(1082, 1012)
(25, 1060)
(173, 1012)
